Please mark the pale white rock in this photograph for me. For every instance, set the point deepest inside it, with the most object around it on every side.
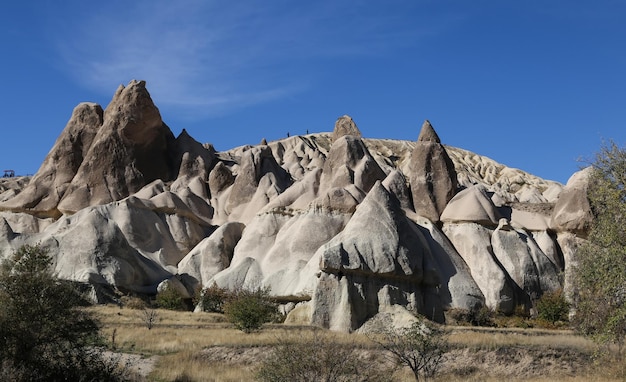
(457, 289)
(532, 221)
(396, 183)
(174, 283)
(550, 248)
(572, 211)
(151, 190)
(349, 162)
(528, 194)
(300, 315)
(524, 262)
(199, 207)
(569, 243)
(91, 246)
(472, 204)
(25, 223)
(380, 258)
(473, 242)
(212, 255)
(393, 317)
(298, 196)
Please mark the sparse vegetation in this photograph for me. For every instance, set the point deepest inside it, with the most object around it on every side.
(169, 298)
(553, 307)
(195, 346)
(420, 347)
(481, 316)
(248, 310)
(317, 356)
(213, 298)
(44, 335)
(600, 274)
(150, 317)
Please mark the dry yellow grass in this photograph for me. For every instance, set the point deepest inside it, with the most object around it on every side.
(490, 338)
(202, 347)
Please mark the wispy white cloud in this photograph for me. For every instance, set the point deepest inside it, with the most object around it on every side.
(205, 57)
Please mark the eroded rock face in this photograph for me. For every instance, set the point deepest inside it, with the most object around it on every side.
(390, 265)
(211, 255)
(259, 179)
(46, 189)
(432, 175)
(349, 162)
(349, 227)
(129, 151)
(572, 211)
(345, 126)
(472, 205)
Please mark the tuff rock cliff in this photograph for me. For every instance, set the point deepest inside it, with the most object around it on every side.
(348, 227)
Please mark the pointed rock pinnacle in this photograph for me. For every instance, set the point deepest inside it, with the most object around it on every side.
(428, 134)
(345, 126)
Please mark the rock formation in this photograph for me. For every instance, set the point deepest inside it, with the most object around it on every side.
(572, 211)
(345, 126)
(46, 189)
(432, 174)
(343, 228)
(129, 151)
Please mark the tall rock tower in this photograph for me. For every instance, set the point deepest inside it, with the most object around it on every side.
(432, 175)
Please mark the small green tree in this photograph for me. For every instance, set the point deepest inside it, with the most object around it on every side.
(213, 298)
(250, 309)
(421, 347)
(44, 335)
(600, 274)
(170, 299)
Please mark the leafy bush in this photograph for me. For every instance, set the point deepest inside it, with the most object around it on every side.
(482, 316)
(44, 335)
(169, 298)
(213, 298)
(250, 309)
(553, 307)
(599, 297)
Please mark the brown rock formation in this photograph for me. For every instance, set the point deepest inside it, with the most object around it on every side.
(47, 187)
(129, 151)
(432, 175)
(572, 211)
(345, 126)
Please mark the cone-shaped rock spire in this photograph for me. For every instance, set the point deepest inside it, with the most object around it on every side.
(432, 175)
(428, 134)
(129, 151)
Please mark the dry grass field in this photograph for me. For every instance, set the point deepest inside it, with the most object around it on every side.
(185, 346)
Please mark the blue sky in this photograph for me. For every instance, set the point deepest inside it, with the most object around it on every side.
(535, 85)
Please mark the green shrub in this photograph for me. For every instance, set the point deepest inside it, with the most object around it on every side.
(44, 335)
(482, 316)
(169, 298)
(213, 298)
(553, 307)
(250, 309)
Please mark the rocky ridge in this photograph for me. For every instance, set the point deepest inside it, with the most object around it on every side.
(347, 226)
